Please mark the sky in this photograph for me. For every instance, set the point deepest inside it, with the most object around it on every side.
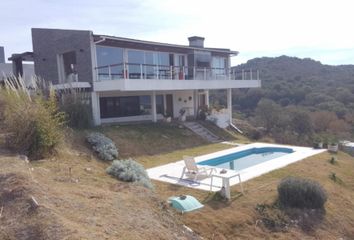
(321, 30)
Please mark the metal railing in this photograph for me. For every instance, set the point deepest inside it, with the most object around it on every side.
(151, 71)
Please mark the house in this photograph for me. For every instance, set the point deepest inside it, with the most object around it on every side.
(134, 80)
(6, 69)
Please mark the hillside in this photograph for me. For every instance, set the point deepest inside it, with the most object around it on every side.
(291, 80)
(300, 100)
(78, 200)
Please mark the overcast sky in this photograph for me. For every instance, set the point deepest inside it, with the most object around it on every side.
(322, 30)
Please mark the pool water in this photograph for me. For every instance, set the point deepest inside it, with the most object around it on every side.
(247, 158)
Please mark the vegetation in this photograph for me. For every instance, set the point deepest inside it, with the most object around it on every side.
(129, 171)
(300, 100)
(31, 119)
(301, 193)
(103, 146)
(76, 104)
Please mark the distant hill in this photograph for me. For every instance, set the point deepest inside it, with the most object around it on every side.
(290, 80)
(293, 69)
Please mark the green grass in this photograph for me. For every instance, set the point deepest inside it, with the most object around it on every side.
(149, 139)
(225, 134)
(160, 159)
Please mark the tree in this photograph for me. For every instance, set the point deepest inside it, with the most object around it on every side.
(268, 113)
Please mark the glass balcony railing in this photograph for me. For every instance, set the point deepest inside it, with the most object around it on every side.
(150, 71)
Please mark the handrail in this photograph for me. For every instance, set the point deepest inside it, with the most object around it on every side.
(154, 71)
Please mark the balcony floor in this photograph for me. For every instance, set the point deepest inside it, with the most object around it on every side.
(163, 84)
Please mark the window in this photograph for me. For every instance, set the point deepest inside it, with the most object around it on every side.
(135, 59)
(109, 61)
(147, 64)
(125, 106)
(219, 66)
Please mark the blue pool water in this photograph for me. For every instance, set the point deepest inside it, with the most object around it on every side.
(247, 158)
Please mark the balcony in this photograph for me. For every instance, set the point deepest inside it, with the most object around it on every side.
(139, 77)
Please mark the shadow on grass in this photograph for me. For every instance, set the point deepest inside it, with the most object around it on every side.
(216, 201)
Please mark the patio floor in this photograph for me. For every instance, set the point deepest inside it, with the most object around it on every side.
(171, 173)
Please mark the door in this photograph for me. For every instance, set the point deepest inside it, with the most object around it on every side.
(202, 101)
(180, 63)
(169, 105)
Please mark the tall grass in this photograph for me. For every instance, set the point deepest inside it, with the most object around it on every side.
(31, 117)
(76, 104)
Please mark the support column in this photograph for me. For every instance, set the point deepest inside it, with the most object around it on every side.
(207, 97)
(95, 103)
(195, 103)
(153, 106)
(229, 104)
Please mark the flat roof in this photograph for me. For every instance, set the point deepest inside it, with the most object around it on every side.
(25, 56)
(98, 38)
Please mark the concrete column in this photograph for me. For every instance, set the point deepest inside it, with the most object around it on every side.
(229, 103)
(207, 97)
(96, 114)
(153, 106)
(195, 103)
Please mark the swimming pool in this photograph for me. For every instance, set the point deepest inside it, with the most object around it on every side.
(247, 158)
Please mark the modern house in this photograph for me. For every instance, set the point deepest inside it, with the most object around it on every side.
(134, 80)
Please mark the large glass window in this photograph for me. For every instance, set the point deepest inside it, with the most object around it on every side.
(135, 59)
(147, 64)
(164, 65)
(109, 62)
(219, 67)
(125, 106)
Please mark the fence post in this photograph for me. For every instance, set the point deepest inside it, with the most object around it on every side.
(109, 72)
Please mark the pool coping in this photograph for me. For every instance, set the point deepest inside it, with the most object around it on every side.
(171, 173)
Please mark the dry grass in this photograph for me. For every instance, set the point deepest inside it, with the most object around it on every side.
(78, 200)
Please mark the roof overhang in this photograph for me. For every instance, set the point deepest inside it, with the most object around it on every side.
(25, 56)
(101, 39)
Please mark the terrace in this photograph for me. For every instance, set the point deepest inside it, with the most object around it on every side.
(133, 77)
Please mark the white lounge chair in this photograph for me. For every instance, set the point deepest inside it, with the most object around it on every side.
(192, 168)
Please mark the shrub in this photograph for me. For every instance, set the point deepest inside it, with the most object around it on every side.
(32, 119)
(301, 193)
(103, 146)
(129, 171)
(76, 104)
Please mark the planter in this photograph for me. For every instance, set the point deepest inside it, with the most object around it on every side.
(318, 145)
(333, 148)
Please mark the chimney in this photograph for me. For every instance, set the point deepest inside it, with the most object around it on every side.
(2, 55)
(196, 41)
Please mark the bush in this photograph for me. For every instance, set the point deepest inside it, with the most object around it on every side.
(301, 193)
(103, 146)
(76, 104)
(32, 119)
(129, 171)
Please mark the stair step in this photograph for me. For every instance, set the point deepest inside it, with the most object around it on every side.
(202, 131)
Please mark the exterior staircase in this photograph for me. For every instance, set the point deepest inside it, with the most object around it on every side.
(202, 132)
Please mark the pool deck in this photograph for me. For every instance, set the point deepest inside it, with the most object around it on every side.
(171, 173)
